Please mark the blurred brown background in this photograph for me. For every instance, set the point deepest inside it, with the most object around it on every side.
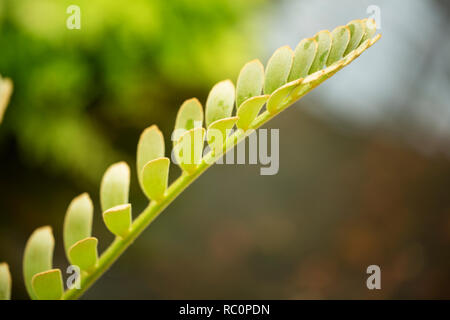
(364, 160)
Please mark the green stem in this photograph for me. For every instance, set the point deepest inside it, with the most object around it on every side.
(153, 210)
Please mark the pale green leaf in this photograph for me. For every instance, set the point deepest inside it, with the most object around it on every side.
(340, 38)
(357, 30)
(38, 256)
(304, 55)
(150, 147)
(48, 285)
(189, 149)
(281, 97)
(5, 282)
(78, 221)
(84, 254)
(250, 81)
(323, 39)
(220, 102)
(189, 116)
(278, 68)
(249, 110)
(217, 133)
(118, 219)
(155, 176)
(115, 186)
(369, 30)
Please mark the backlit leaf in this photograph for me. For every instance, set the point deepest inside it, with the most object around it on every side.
(323, 39)
(249, 110)
(304, 55)
(220, 102)
(84, 253)
(250, 81)
(118, 219)
(369, 30)
(150, 147)
(340, 38)
(189, 115)
(5, 282)
(278, 68)
(357, 30)
(189, 149)
(218, 132)
(281, 97)
(78, 220)
(115, 186)
(37, 256)
(48, 285)
(155, 178)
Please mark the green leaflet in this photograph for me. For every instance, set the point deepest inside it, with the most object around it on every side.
(304, 55)
(217, 133)
(115, 185)
(78, 220)
(357, 30)
(278, 68)
(369, 30)
(155, 177)
(189, 115)
(37, 256)
(281, 97)
(118, 220)
(5, 282)
(323, 39)
(189, 149)
(250, 81)
(340, 39)
(220, 102)
(48, 285)
(150, 146)
(249, 110)
(84, 254)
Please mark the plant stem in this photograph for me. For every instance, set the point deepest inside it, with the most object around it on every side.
(153, 210)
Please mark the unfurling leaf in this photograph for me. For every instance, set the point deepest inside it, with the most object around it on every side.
(155, 177)
(84, 253)
(5, 282)
(189, 149)
(357, 30)
(218, 132)
(303, 58)
(37, 256)
(220, 102)
(189, 116)
(323, 39)
(278, 68)
(249, 110)
(250, 81)
(118, 219)
(78, 221)
(281, 96)
(150, 147)
(340, 38)
(48, 285)
(115, 186)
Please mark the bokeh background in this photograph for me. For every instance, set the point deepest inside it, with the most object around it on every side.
(364, 159)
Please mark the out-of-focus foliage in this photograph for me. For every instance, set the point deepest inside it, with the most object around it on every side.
(121, 67)
(5, 94)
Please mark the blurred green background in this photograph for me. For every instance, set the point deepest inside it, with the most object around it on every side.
(364, 160)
